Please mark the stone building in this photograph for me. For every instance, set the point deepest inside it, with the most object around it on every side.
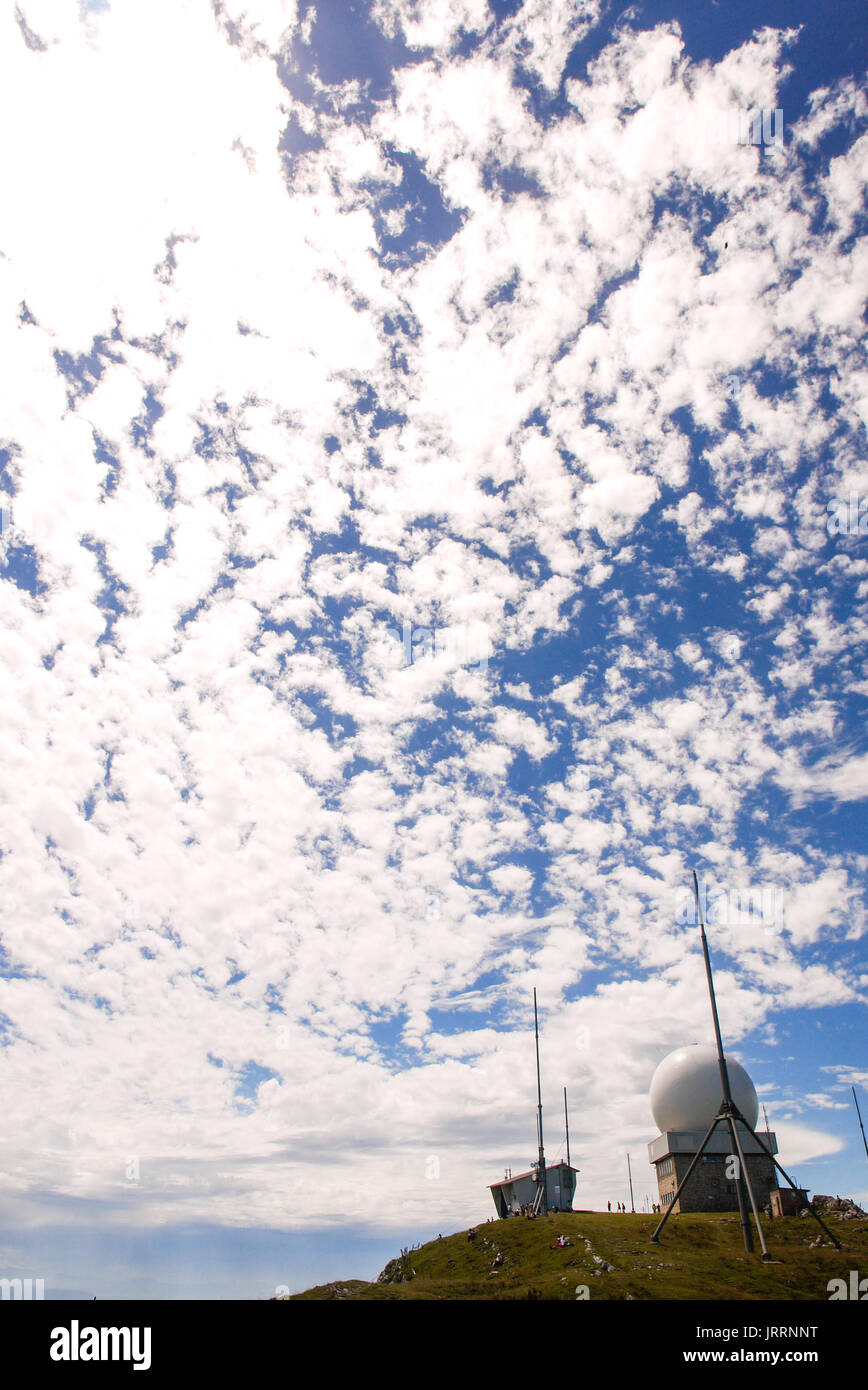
(686, 1094)
(709, 1188)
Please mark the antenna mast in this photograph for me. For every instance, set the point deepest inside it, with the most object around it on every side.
(567, 1127)
(541, 1171)
(861, 1126)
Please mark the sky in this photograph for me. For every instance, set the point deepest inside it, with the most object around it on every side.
(433, 522)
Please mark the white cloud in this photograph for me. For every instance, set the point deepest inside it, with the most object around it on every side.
(249, 826)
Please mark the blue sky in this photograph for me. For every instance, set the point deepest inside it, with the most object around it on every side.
(433, 470)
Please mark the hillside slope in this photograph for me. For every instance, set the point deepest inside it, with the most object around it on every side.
(611, 1256)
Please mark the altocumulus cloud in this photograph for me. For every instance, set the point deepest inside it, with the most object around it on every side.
(417, 445)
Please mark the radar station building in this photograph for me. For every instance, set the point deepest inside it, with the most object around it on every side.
(686, 1094)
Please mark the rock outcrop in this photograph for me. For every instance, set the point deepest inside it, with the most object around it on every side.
(842, 1207)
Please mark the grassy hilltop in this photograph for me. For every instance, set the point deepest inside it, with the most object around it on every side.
(699, 1257)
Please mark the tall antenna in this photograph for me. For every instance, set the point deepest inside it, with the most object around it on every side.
(567, 1127)
(730, 1115)
(630, 1180)
(539, 1125)
(861, 1126)
(727, 1107)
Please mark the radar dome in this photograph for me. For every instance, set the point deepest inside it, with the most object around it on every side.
(686, 1092)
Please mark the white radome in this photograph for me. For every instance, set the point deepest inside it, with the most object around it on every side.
(686, 1090)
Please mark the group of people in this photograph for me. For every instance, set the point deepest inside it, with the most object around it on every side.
(619, 1206)
(471, 1235)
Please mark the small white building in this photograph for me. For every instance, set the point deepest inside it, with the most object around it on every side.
(513, 1193)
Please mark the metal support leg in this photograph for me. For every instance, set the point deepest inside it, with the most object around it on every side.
(743, 1173)
(681, 1186)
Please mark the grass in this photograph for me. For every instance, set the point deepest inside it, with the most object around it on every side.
(698, 1257)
